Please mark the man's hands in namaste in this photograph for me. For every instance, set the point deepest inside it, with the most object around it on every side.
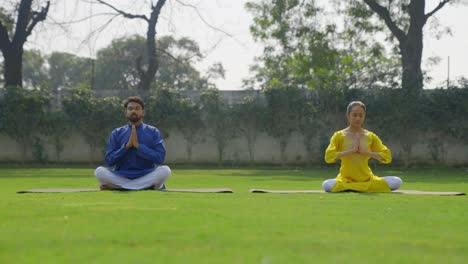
(133, 140)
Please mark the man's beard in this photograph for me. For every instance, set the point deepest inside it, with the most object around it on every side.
(133, 118)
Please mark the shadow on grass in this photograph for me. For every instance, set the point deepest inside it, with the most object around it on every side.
(412, 175)
(439, 176)
(38, 173)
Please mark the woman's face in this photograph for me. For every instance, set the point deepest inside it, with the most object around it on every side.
(356, 117)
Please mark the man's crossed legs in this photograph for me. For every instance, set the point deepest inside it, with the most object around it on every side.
(153, 180)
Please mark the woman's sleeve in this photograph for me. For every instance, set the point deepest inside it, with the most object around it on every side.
(333, 149)
(379, 147)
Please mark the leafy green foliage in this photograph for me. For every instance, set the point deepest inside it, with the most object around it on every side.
(33, 119)
(305, 50)
(160, 110)
(447, 110)
(93, 117)
(57, 127)
(250, 117)
(218, 118)
(34, 70)
(22, 115)
(7, 20)
(67, 70)
(188, 120)
(116, 64)
(284, 106)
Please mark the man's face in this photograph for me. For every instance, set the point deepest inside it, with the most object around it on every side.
(134, 112)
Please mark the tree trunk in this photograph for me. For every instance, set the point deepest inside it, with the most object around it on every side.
(13, 49)
(411, 49)
(411, 53)
(13, 74)
(283, 144)
(220, 155)
(147, 75)
(251, 147)
(410, 42)
(412, 79)
(189, 150)
(309, 149)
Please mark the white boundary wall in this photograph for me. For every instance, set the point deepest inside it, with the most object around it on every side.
(267, 151)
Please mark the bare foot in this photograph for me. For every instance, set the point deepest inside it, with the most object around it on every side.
(110, 186)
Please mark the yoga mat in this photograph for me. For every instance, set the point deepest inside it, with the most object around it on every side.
(285, 191)
(209, 190)
(59, 190)
(427, 192)
(69, 190)
(414, 192)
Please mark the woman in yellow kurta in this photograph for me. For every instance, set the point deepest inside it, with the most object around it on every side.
(354, 146)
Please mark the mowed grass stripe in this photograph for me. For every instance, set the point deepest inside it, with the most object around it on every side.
(149, 226)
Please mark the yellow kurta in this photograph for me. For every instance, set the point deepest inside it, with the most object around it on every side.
(355, 173)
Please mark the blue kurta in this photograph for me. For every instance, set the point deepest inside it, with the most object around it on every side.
(133, 163)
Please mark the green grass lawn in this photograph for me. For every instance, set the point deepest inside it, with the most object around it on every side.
(159, 227)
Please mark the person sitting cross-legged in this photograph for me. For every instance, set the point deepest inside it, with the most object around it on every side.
(354, 146)
(137, 152)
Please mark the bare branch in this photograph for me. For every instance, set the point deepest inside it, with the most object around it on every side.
(173, 57)
(213, 47)
(37, 17)
(79, 20)
(124, 14)
(99, 29)
(385, 15)
(203, 19)
(437, 8)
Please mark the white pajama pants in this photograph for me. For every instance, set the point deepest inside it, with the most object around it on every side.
(394, 183)
(159, 176)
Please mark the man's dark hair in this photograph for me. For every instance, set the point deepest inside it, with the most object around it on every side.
(134, 99)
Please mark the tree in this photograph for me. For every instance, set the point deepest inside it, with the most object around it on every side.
(57, 127)
(146, 70)
(177, 71)
(408, 31)
(446, 113)
(13, 35)
(160, 111)
(215, 71)
(389, 117)
(22, 115)
(218, 119)
(93, 117)
(188, 119)
(34, 69)
(304, 50)
(249, 117)
(68, 70)
(115, 70)
(283, 113)
(310, 127)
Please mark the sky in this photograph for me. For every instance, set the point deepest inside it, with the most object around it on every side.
(233, 45)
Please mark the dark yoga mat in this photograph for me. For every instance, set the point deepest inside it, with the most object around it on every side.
(69, 190)
(414, 192)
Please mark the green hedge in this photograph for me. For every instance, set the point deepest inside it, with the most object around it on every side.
(33, 118)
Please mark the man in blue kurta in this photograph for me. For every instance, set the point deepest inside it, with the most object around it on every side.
(136, 151)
